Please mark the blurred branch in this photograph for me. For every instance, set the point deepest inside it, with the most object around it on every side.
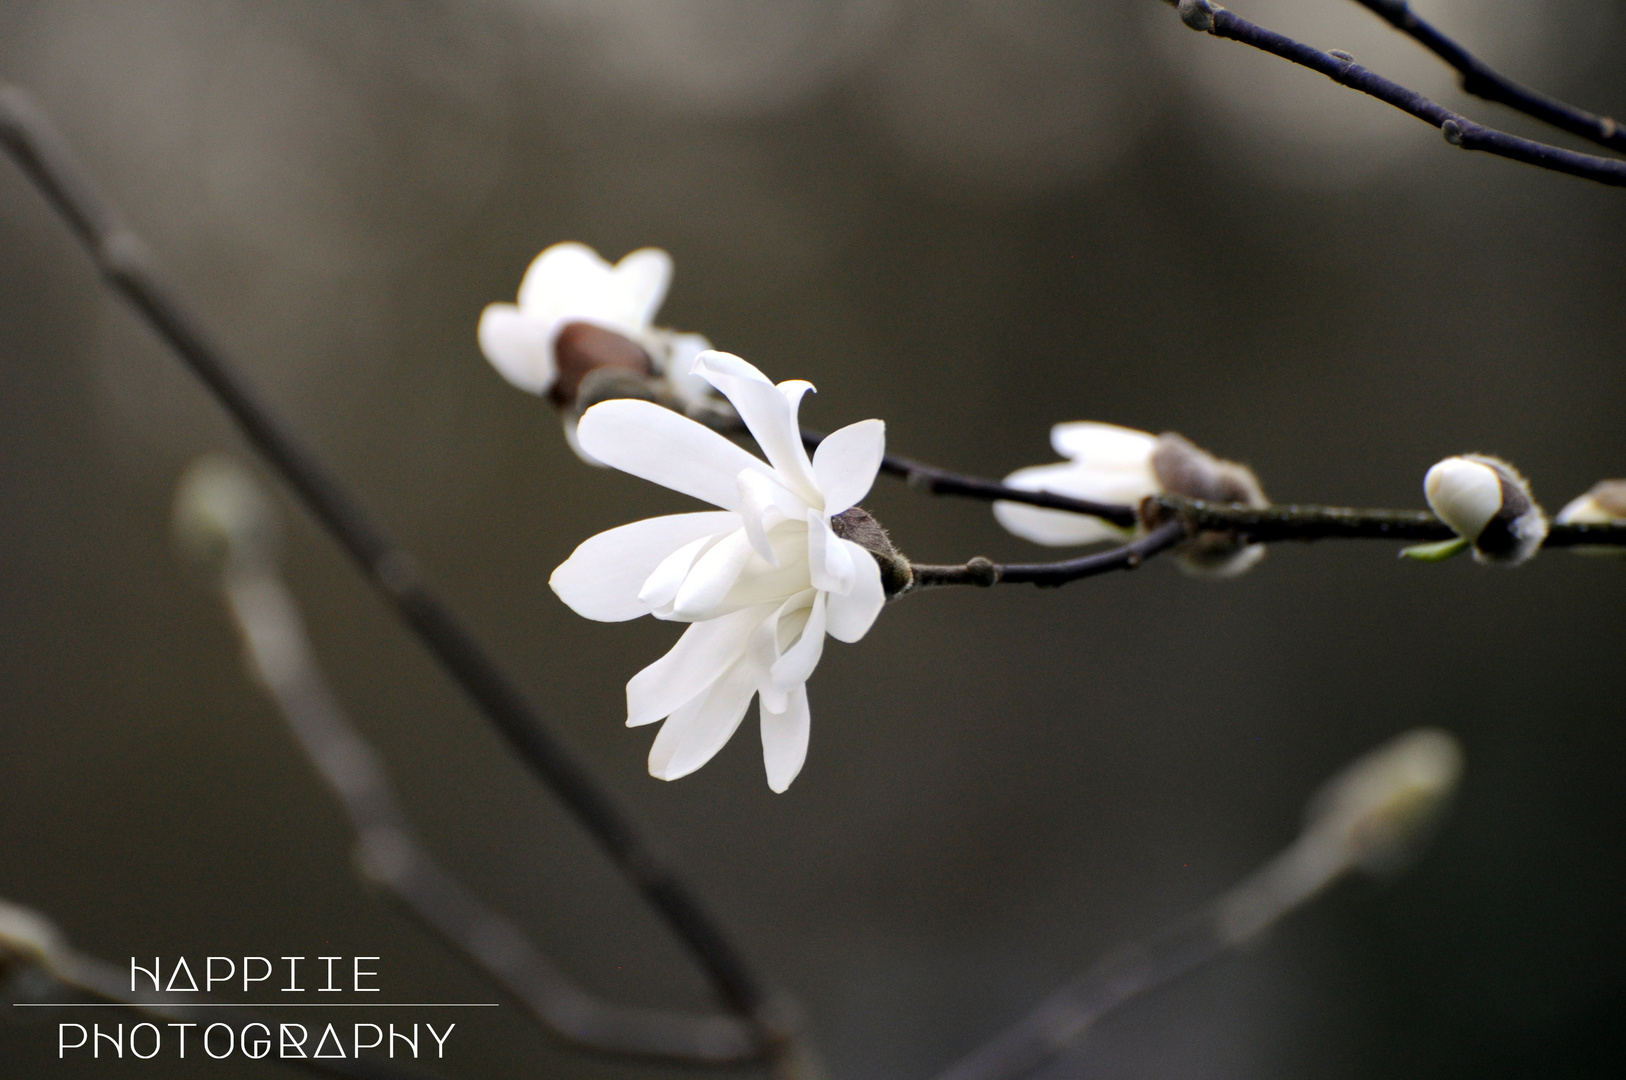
(34, 143)
(38, 968)
(1481, 80)
(1372, 817)
(225, 524)
(1341, 68)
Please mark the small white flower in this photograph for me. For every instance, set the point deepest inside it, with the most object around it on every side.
(1122, 466)
(762, 580)
(548, 342)
(1488, 505)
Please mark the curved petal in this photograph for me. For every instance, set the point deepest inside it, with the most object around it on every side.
(830, 564)
(701, 656)
(642, 279)
(658, 445)
(846, 462)
(565, 278)
(796, 663)
(519, 346)
(1055, 528)
(769, 414)
(663, 583)
(1106, 445)
(712, 575)
(694, 733)
(849, 617)
(784, 740)
(764, 505)
(603, 576)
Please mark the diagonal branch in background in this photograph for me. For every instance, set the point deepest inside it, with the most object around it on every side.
(1208, 17)
(1482, 80)
(1373, 817)
(40, 151)
(226, 524)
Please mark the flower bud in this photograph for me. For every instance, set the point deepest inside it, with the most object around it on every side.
(856, 524)
(1386, 804)
(26, 937)
(1605, 504)
(223, 520)
(1489, 505)
(1183, 468)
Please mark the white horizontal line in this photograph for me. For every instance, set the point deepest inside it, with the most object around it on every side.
(255, 1005)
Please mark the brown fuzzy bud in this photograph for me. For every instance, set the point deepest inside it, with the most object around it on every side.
(857, 525)
(582, 348)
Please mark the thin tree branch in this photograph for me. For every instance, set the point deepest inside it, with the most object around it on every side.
(1481, 80)
(1373, 816)
(984, 572)
(1458, 130)
(931, 479)
(278, 652)
(1271, 524)
(37, 147)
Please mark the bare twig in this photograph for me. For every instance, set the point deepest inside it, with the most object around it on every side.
(983, 572)
(1481, 80)
(34, 143)
(1271, 524)
(1373, 816)
(220, 512)
(1458, 130)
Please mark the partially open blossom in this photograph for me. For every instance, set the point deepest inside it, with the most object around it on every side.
(583, 329)
(1122, 466)
(761, 580)
(1489, 506)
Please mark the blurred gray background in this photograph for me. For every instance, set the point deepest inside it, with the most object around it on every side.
(972, 219)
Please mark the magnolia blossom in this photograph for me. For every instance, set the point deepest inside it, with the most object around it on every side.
(1489, 506)
(1122, 466)
(761, 580)
(577, 313)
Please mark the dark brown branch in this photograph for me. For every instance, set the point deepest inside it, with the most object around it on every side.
(983, 572)
(1481, 80)
(1458, 130)
(40, 151)
(1272, 524)
(931, 479)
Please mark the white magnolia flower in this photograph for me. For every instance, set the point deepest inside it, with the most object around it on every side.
(554, 336)
(1489, 506)
(762, 579)
(1122, 466)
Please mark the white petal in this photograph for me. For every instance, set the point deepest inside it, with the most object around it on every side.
(642, 279)
(784, 740)
(764, 505)
(795, 664)
(1120, 486)
(641, 438)
(1465, 494)
(849, 617)
(568, 277)
(712, 575)
(519, 346)
(694, 733)
(701, 656)
(603, 576)
(1106, 445)
(830, 564)
(662, 585)
(770, 416)
(846, 462)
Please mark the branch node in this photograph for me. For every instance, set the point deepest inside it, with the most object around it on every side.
(982, 571)
(1452, 130)
(1198, 14)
